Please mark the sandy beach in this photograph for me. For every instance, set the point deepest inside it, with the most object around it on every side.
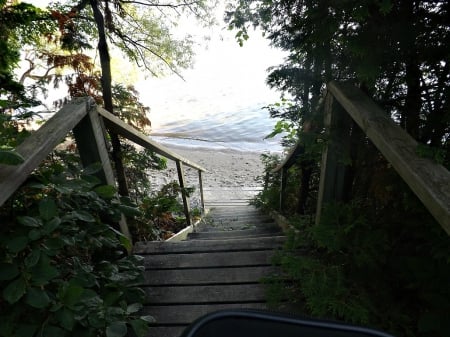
(230, 177)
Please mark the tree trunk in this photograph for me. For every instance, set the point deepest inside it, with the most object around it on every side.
(107, 95)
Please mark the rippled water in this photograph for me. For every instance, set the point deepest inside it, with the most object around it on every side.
(243, 129)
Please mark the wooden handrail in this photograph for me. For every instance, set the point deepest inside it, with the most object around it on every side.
(82, 116)
(40, 143)
(125, 130)
(427, 179)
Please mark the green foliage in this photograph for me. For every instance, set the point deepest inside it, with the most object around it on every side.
(9, 157)
(64, 268)
(355, 268)
(138, 165)
(162, 213)
(20, 24)
(269, 197)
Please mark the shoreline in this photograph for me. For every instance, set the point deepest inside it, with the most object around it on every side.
(231, 175)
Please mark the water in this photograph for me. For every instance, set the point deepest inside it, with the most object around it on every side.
(242, 129)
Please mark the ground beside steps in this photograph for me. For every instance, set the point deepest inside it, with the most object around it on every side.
(219, 266)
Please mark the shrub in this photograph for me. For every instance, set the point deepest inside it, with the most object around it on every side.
(64, 267)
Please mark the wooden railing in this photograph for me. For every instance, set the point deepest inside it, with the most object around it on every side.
(427, 179)
(87, 122)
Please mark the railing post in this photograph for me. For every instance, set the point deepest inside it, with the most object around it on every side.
(336, 155)
(202, 199)
(184, 196)
(90, 138)
(283, 183)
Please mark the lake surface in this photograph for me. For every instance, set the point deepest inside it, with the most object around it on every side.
(242, 129)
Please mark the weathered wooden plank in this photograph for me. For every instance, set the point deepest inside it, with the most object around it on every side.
(235, 226)
(185, 314)
(202, 194)
(90, 138)
(184, 196)
(290, 158)
(336, 153)
(427, 179)
(257, 218)
(207, 276)
(161, 247)
(166, 331)
(231, 293)
(89, 135)
(215, 259)
(40, 143)
(123, 129)
(242, 233)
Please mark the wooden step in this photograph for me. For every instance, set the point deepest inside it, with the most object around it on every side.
(185, 314)
(208, 260)
(219, 293)
(220, 266)
(193, 246)
(242, 233)
(215, 275)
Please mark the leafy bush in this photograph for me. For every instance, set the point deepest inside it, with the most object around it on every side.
(64, 267)
(269, 197)
(353, 267)
(162, 214)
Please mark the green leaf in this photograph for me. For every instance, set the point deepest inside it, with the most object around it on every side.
(135, 307)
(149, 319)
(10, 158)
(32, 258)
(116, 329)
(43, 271)
(66, 318)
(92, 169)
(50, 226)
(72, 295)
(8, 271)
(37, 298)
(17, 244)
(35, 234)
(53, 331)
(140, 327)
(126, 242)
(26, 330)
(29, 221)
(106, 191)
(91, 181)
(129, 211)
(14, 291)
(48, 209)
(83, 216)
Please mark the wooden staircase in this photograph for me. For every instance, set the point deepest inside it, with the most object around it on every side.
(219, 266)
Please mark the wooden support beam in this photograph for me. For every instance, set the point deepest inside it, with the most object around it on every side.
(40, 143)
(90, 138)
(202, 199)
(283, 182)
(187, 211)
(427, 179)
(335, 156)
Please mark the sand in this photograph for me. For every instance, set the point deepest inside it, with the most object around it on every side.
(231, 176)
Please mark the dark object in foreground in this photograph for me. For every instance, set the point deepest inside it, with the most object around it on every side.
(252, 323)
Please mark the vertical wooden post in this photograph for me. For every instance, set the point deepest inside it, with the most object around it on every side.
(202, 198)
(90, 138)
(336, 156)
(283, 176)
(184, 196)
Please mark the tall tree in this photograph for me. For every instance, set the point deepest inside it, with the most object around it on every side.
(142, 38)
